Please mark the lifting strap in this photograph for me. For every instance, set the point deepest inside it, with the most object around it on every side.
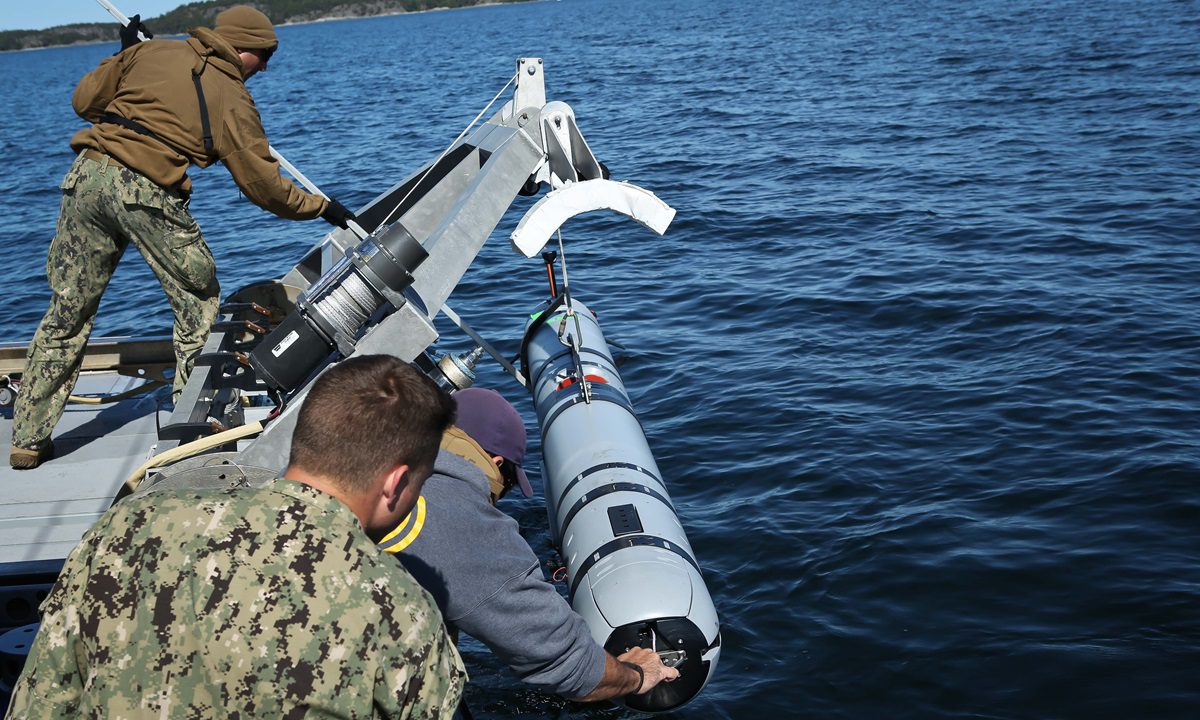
(204, 124)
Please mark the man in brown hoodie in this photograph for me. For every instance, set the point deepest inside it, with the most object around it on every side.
(157, 107)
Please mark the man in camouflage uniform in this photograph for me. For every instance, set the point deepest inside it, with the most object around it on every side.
(129, 183)
(268, 602)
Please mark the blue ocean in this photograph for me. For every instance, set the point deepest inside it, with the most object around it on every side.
(919, 357)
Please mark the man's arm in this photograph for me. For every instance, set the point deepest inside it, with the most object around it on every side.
(489, 583)
(532, 629)
(246, 153)
(97, 89)
(423, 685)
(529, 626)
(620, 679)
(51, 684)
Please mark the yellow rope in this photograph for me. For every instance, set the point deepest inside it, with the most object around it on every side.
(104, 400)
(195, 447)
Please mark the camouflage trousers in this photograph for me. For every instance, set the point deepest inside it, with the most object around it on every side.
(104, 207)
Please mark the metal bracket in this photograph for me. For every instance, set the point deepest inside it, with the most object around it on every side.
(569, 157)
(531, 84)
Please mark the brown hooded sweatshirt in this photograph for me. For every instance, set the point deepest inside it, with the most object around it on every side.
(151, 83)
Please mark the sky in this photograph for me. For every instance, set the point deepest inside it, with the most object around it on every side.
(40, 14)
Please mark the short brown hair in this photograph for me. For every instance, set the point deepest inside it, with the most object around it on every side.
(366, 415)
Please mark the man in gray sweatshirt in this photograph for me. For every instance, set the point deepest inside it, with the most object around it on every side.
(486, 579)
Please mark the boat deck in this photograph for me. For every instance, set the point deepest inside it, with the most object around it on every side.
(44, 511)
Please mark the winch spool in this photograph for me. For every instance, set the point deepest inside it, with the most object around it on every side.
(330, 314)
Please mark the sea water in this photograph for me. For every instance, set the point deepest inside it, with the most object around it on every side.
(919, 357)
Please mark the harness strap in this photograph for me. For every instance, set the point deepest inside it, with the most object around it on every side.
(204, 123)
(137, 127)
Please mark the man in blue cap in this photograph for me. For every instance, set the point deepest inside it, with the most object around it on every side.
(486, 579)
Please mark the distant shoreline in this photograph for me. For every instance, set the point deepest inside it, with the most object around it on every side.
(330, 18)
(333, 18)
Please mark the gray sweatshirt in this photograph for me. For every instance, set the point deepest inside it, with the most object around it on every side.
(488, 583)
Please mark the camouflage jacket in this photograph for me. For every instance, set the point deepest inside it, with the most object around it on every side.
(250, 603)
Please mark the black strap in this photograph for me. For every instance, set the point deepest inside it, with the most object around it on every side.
(140, 129)
(204, 124)
(641, 675)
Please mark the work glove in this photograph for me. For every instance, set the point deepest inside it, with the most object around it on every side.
(129, 33)
(337, 214)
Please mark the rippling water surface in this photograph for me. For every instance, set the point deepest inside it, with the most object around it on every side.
(919, 355)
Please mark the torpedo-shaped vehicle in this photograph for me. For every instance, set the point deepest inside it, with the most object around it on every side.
(633, 576)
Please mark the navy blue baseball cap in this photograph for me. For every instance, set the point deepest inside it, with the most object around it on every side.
(496, 425)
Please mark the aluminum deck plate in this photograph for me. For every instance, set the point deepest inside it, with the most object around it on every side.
(45, 511)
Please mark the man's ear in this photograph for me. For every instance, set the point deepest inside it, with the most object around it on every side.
(398, 481)
(404, 487)
(392, 500)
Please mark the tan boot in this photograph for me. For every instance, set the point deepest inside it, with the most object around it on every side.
(22, 459)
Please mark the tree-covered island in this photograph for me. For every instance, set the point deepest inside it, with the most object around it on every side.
(177, 21)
